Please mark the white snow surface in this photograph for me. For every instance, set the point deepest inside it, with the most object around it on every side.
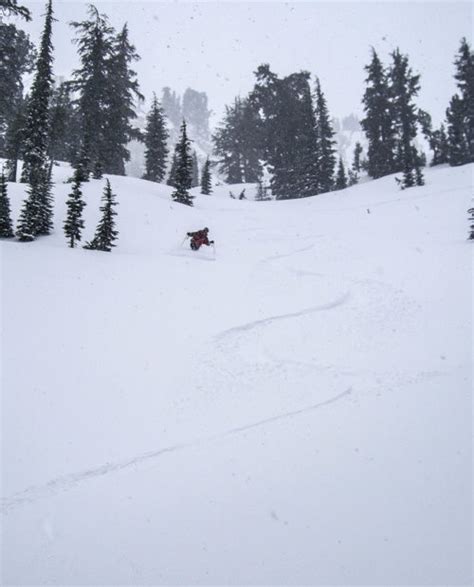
(293, 409)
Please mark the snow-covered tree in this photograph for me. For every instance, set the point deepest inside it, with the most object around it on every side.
(325, 143)
(156, 150)
(206, 182)
(6, 225)
(106, 233)
(341, 178)
(12, 8)
(183, 174)
(74, 222)
(194, 171)
(36, 133)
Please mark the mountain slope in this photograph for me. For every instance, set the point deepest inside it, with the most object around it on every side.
(287, 411)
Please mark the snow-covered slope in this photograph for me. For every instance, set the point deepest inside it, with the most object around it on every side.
(294, 409)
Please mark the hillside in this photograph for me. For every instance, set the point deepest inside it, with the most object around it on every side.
(293, 409)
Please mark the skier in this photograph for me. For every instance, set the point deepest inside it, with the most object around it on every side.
(199, 238)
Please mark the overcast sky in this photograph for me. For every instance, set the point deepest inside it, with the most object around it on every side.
(216, 46)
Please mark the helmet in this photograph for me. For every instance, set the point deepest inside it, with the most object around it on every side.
(206, 229)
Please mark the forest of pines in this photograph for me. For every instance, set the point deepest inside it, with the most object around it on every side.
(282, 129)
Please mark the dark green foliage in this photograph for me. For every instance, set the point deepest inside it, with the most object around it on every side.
(404, 87)
(326, 158)
(36, 134)
(156, 136)
(122, 88)
(6, 226)
(341, 178)
(471, 224)
(378, 123)
(194, 171)
(17, 57)
(11, 8)
(183, 174)
(14, 139)
(440, 146)
(91, 81)
(465, 80)
(356, 165)
(74, 223)
(238, 142)
(458, 152)
(206, 182)
(29, 220)
(106, 234)
(64, 135)
(174, 165)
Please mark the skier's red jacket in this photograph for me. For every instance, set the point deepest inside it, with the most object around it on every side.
(199, 238)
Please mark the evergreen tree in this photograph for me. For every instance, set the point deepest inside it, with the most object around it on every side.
(74, 223)
(6, 226)
(194, 171)
(95, 46)
(465, 80)
(122, 93)
(238, 144)
(17, 57)
(378, 121)
(206, 182)
(183, 169)
(29, 219)
(36, 135)
(62, 133)
(106, 234)
(471, 224)
(156, 136)
(341, 179)
(325, 143)
(14, 139)
(458, 145)
(11, 8)
(440, 146)
(356, 165)
(404, 86)
(174, 165)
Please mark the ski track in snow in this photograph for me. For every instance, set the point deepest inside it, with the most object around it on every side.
(67, 482)
(266, 321)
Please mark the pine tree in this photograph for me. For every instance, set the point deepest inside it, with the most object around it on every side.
(14, 139)
(156, 150)
(458, 145)
(325, 143)
(174, 165)
(74, 223)
(465, 80)
(6, 225)
(106, 234)
(378, 121)
(356, 165)
(404, 87)
(122, 93)
(206, 182)
(341, 179)
(183, 169)
(194, 171)
(36, 134)
(62, 132)
(17, 57)
(29, 219)
(471, 224)
(11, 8)
(440, 146)
(94, 38)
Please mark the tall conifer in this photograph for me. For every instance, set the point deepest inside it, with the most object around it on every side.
(183, 173)
(6, 225)
(156, 149)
